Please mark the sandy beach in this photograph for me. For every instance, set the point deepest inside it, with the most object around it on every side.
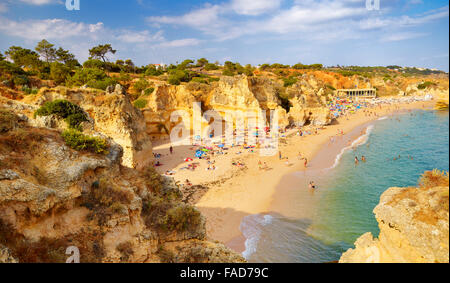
(231, 192)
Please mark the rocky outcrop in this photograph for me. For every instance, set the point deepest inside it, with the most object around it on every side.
(53, 197)
(240, 93)
(111, 114)
(414, 228)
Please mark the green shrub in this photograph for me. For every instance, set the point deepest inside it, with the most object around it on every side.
(141, 85)
(289, 81)
(124, 77)
(214, 80)
(28, 90)
(174, 81)
(74, 121)
(199, 80)
(181, 218)
(149, 91)
(211, 67)
(79, 141)
(425, 85)
(177, 76)
(10, 68)
(228, 72)
(71, 113)
(59, 72)
(21, 80)
(140, 103)
(102, 84)
(94, 63)
(91, 77)
(153, 71)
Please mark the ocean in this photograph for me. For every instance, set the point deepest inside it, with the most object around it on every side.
(318, 226)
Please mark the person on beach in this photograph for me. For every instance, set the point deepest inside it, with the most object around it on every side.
(356, 160)
(312, 185)
(306, 162)
(279, 155)
(171, 150)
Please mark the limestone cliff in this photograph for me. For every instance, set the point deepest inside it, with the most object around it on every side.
(413, 224)
(53, 197)
(242, 93)
(110, 114)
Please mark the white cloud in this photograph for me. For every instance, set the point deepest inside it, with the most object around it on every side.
(404, 21)
(139, 36)
(301, 17)
(306, 19)
(254, 7)
(402, 36)
(48, 28)
(181, 43)
(200, 18)
(41, 2)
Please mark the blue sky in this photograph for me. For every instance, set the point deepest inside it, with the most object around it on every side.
(331, 32)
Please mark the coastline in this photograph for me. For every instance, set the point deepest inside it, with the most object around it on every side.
(225, 205)
(233, 193)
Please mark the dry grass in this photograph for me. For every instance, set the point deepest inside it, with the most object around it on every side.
(153, 180)
(51, 250)
(435, 178)
(24, 140)
(8, 121)
(106, 199)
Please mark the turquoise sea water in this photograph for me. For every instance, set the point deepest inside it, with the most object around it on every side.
(341, 210)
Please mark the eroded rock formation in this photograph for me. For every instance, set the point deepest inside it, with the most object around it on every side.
(53, 197)
(110, 114)
(239, 93)
(414, 228)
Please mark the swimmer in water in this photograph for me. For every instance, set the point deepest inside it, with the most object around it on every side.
(363, 158)
(356, 160)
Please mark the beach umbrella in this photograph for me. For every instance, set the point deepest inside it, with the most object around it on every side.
(188, 159)
(221, 145)
(205, 150)
(199, 153)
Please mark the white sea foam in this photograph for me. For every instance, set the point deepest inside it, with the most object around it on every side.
(383, 118)
(251, 227)
(358, 142)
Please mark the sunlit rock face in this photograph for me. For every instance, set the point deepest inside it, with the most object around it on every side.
(111, 114)
(53, 197)
(414, 228)
(253, 95)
